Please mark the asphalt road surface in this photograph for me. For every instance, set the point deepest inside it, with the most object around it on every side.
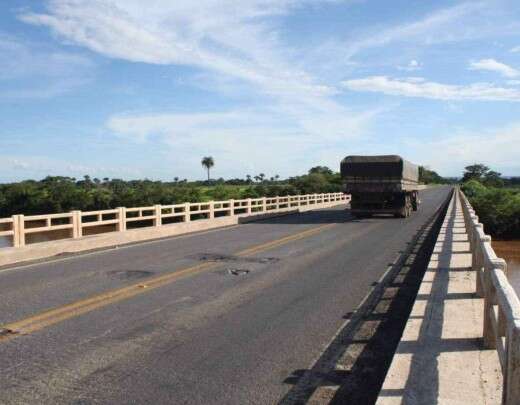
(224, 316)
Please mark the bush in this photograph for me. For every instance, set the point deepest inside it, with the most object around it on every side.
(498, 208)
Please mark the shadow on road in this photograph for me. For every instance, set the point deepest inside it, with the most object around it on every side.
(326, 216)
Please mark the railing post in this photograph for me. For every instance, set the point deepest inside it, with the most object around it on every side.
(232, 207)
(264, 204)
(77, 232)
(511, 389)
(248, 206)
(121, 216)
(158, 215)
(187, 212)
(477, 258)
(501, 320)
(211, 210)
(16, 231)
(277, 204)
(488, 332)
(21, 230)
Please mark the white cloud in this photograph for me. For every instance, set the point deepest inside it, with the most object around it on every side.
(418, 87)
(230, 37)
(439, 26)
(515, 49)
(33, 70)
(412, 66)
(498, 147)
(244, 140)
(494, 66)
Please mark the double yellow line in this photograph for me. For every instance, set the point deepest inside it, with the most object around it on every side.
(74, 309)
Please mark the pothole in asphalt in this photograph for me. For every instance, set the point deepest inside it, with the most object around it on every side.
(4, 332)
(217, 257)
(129, 274)
(237, 272)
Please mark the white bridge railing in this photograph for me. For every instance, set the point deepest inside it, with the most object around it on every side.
(28, 229)
(501, 328)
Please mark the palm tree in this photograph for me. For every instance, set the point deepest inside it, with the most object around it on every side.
(208, 163)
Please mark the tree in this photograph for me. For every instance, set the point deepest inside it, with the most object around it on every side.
(321, 170)
(475, 172)
(208, 163)
(428, 176)
(493, 179)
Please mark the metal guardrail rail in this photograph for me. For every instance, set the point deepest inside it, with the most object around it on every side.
(501, 329)
(77, 223)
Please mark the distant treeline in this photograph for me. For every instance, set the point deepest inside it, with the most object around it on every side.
(428, 176)
(61, 194)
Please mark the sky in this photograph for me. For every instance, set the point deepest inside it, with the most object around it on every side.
(144, 89)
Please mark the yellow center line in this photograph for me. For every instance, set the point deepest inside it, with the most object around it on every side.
(74, 309)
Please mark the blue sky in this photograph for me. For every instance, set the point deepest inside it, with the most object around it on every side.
(133, 89)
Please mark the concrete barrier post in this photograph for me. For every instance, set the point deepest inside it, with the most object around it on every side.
(477, 264)
(488, 332)
(231, 207)
(187, 213)
(264, 204)
(21, 230)
(277, 203)
(121, 216)
(158, 215)
(211, 210)
(501, 321)
(76, 224)
(16, 231)
(249, 206)
(477, 257)
(511, 390)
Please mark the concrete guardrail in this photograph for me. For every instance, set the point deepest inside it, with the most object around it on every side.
(501, 329)
(77, 224)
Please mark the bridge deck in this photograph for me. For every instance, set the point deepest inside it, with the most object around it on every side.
(230, 316)
(440, 359)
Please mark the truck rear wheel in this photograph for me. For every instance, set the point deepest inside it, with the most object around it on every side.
(406, 210)
(415, 203)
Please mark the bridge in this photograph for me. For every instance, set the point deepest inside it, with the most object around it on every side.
(271, 300)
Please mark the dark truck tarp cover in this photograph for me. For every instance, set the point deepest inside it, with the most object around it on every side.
(379, 167)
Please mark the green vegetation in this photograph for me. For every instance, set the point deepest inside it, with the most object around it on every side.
(497, 206)
(427, 176)
(62, 194)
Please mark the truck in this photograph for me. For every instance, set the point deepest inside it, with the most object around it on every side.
(384, 184)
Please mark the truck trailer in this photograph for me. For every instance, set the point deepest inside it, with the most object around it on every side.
(385, 184)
